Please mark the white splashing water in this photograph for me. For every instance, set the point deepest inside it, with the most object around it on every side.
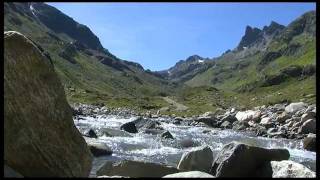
(151, 148)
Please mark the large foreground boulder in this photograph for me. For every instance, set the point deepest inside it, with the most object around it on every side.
(135, 169)
(199, 159)
(40, 138)
(242, 160)
(189, 174)
(290, 169)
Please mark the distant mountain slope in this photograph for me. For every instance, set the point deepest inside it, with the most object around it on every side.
(186, 69)
(89, 72)
(269, 65)
(274, 60)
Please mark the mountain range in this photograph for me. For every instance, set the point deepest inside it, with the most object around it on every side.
(270, 65)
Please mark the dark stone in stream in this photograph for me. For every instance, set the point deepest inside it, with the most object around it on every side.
(308, 126)
(129, 127)
(309, 142)
(167, 135)
(206, 131)
(99, 149)
(242, 160)
(239, 125)
(185, 143)
(177, 121)
(230, 118)
(260, 131)
(226, 125)
(90, 133)
(209, 121)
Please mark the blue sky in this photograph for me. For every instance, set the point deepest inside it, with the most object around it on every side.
(157, 35)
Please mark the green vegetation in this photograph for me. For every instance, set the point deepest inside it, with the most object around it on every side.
(86, 79)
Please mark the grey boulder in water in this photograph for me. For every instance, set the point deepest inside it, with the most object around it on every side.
(310, 142)
(98, 148)
(199, 159)
(186, 143)
(242, 160)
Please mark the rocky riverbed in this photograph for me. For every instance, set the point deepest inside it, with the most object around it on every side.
(125, 135)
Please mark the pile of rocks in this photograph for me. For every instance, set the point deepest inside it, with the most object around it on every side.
(292, 121)
(229, 162)
(100, 109)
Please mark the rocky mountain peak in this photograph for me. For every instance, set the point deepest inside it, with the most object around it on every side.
(250, 36)
(194, 58)
(61, 23)
(273, 28)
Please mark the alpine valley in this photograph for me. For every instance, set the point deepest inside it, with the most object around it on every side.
(72, 108)
(265, 68)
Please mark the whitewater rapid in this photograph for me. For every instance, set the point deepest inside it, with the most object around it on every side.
(153, 148)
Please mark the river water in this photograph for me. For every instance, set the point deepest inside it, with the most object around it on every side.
(153, 148)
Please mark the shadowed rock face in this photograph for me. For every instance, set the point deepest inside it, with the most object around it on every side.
(251, 35)
(135, 169)
(40, 138)
(60, 23)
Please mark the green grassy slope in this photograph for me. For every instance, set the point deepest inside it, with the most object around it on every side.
(246, 76)
(86, 79)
